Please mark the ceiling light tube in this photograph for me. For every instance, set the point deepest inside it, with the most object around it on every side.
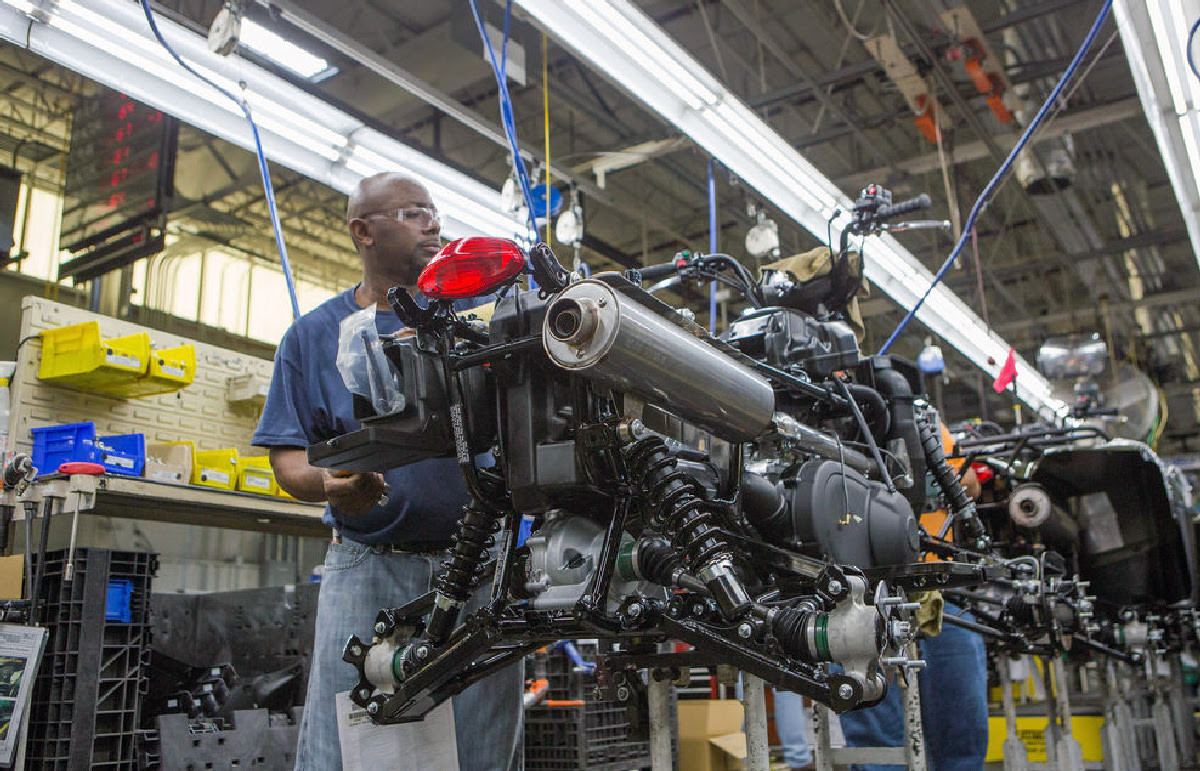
(111, 43)
(271, 45)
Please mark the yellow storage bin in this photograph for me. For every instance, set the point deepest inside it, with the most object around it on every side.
(170, 370)
(255, 475)
(213, 468)
(76, 357)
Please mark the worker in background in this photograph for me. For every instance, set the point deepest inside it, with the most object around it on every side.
(389, 530)
(793, 723)
(953, 686)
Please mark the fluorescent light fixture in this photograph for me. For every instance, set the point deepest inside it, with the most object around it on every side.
(111, 43)
(638, 56)
(285, 53)
(1155, 34)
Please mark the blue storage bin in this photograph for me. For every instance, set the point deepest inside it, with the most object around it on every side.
(119, 606)
(122, 454)
(67, 443)
(77, 443)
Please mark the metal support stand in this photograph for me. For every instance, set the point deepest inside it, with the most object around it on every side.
(758, 756)
(1118, 735)
(822, 748)
(1160, 714)
(658, 693)
(1185, 722)
(911, 755)
(1015, 757)
(1061, 746)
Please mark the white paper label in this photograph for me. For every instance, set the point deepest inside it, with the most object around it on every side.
(166, 476)
(118, 360)
(263, 483)
(209, 475)
(173, 371)
(429, 743)
(116, 460)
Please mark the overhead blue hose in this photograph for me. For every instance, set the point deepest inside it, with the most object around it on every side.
(1191, 37)
(999, 176)
(506, 113)
(262, 160)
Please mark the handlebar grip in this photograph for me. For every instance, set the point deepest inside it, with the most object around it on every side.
(904, 207)
(656, 272)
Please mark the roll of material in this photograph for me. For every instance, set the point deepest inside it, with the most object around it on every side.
(594, 331)
(1029, 505)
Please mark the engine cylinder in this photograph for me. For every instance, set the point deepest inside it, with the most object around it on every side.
(595, 331)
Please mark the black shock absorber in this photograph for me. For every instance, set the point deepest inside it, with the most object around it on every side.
(677, 501)
(961, 505)
(462, 568)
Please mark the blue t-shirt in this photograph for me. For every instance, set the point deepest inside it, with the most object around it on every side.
(308, 403)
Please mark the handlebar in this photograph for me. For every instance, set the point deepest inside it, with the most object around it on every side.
(662, 270)
(887, 211)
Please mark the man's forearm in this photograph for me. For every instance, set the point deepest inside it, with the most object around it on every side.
(294, 474)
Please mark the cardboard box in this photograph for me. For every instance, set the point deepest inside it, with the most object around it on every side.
(171, 463)
(12, 577)
(710, 735)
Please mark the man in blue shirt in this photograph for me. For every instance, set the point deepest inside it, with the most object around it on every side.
(386, 550)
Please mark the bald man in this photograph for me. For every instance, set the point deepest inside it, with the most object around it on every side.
(384, 552)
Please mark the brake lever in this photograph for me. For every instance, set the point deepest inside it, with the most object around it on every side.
(899, 227)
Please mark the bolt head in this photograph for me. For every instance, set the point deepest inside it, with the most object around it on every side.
(355, 650)
(845, 691)
(835, 587)
(623, 693)
(745, 631)
(423, 652)
(373, 708)
(635, 609)
(380, 628)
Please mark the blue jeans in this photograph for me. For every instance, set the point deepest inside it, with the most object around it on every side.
(793, 724)
(358, 581)
(953, 706)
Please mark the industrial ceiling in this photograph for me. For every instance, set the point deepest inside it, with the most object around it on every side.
(1089, 238)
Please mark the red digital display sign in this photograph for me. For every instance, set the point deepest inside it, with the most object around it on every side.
(119, 181)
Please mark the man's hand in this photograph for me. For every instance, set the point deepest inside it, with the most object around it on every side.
(354, 493)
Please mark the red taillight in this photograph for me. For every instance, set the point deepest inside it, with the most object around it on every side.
(983, 472)
(470, 267)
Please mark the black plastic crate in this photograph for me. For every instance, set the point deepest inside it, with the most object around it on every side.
(594, 735)
(588, 735)
(87, 698)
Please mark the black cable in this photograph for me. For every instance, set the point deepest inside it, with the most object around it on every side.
(17, 350)
(866, 432)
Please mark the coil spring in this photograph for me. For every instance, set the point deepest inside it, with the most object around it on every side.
(676, 500)
(468, 555)
(935, 459)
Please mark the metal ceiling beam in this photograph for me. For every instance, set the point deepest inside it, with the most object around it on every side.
(1181, 297)
(1068, 122)
(752, 23)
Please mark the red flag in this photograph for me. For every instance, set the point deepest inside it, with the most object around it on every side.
(1008, 373)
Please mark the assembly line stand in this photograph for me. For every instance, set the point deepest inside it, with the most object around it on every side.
(911, 755)
(662, 728)
(1015, 757)
(758, 752)
(1118, 735)
(1062, 748)
(1160, 714)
